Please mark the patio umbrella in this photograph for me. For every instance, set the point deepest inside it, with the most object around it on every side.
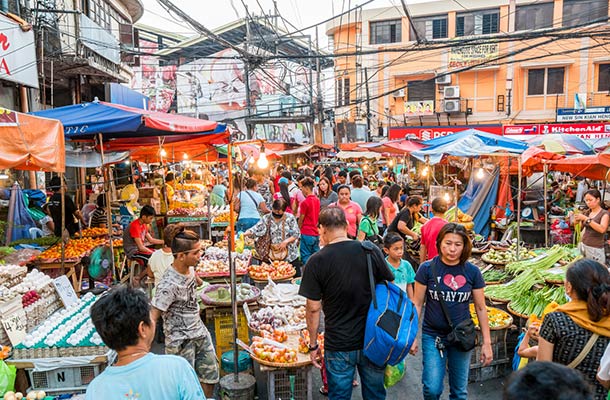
(561, 143)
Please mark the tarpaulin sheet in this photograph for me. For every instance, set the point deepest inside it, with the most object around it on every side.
(19, 219)
(93, 159)
(84, 121)
(393, 147)
(31, 143)
(592, 166)
(489, 139)
(477, 200)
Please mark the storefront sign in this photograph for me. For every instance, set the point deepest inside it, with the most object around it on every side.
(468, 56)
(17, 54)
(419, 108)
(587, 114)
(431, 132)
(585, 131)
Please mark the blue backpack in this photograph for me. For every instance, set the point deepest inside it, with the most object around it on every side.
(391, 322)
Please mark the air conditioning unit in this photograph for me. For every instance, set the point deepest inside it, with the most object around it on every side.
(451, 106)
(443, 80)
(451, 92)
(398, 93)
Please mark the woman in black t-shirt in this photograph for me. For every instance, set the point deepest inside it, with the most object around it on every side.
(449, 276)
(565, 333)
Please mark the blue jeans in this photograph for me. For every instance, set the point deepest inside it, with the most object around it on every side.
(340, 369)
(456, 361)
(244, 224)
(309, 245)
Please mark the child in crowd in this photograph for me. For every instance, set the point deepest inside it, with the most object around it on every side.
(525, 350)
(404, 275)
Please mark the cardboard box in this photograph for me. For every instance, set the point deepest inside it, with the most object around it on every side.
(150, 192)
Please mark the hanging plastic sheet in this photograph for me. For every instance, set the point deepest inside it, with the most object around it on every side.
(477, 200)
(19, 219)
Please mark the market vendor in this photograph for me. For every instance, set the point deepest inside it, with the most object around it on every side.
(558, 198)
(167, 193)
(72, 214)
(137, 234)
(595, 222)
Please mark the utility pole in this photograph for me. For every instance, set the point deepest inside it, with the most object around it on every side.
(368, 105)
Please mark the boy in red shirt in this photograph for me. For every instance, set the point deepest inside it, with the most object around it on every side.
(309, 210)
(429, 230)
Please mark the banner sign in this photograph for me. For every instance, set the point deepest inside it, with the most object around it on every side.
(586, 114)
(585, 131)
(468, 56)
(431, 132)
(17, 54)
(419, 108)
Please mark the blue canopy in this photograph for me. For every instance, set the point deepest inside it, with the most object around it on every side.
(83, 121)
(468, 143)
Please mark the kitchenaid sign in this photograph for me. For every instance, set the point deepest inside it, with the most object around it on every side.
(585, 131)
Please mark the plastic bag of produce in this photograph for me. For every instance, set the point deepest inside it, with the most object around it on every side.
(394, 374)
(7, 377)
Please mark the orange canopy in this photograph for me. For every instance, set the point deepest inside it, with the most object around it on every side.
(31, 143)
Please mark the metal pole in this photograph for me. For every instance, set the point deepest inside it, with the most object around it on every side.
(519, 210)
(546, 213)
(232, 271)
(107, 198)
(368, 106)
(62, 192)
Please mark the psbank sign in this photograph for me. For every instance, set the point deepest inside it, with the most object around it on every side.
(431, 132)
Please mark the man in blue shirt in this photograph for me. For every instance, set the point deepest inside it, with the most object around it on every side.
(122, 319)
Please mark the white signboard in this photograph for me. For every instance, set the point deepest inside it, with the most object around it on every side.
(17, 54)
(15, 326)
(65, 290)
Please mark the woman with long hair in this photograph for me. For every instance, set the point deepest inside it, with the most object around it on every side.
(325, 193)
(284, 194)
(368, 228)
(390, 206)
(578, 332)
(595, 222)
(451, 278)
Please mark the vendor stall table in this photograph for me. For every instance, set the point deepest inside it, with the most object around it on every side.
(284, 383)
(70, 268)
(192, 222)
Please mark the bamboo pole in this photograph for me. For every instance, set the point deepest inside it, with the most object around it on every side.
(546, 213)
(107, 198)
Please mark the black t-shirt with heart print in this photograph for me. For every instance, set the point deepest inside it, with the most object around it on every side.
(455, 283)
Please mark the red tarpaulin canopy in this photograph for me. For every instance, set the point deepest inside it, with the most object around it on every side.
(393, 147)
(592, 167)
(31, 143)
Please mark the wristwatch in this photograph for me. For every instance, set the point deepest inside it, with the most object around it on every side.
(314, 348)
(588, 221)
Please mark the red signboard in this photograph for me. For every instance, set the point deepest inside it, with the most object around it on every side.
(585, 131)
(431, 132)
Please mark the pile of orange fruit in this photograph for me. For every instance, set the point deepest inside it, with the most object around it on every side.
(304, 341)
(91, 232)
(5, 351)
(73, 249)
(267, 352)
(275, 270)
(277, 335)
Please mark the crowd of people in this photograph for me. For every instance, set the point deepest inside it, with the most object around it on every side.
(316, 220)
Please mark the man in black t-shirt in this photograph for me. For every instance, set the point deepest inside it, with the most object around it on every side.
(336, 280)
(73, 215)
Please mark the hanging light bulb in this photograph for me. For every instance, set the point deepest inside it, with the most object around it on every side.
(127, 162)
(163, 152)
(391, 162)
(365, 167)
(480, 173)
(185, 156)
(425, 171)
(447, 197)
(262, 162)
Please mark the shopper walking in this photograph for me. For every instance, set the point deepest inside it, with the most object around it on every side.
(450, 278)
(595, 222)
(249, 202)
(368, 228)
(122, 318)
(352, 210)
(325, 193)
(578, 332)
(309, 211)
(176, 301)
(359, 194)
(339, 285)
(430, 230)
(390, 204)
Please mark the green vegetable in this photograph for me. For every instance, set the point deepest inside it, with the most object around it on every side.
(5, 251)
(535, 301)
(42, 241)
(542, 262)
(494, 275)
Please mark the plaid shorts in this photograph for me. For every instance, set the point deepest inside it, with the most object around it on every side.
(201, 355)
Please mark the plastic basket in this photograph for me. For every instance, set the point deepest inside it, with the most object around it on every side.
(291, 383)
(223, 330)
(68, 380)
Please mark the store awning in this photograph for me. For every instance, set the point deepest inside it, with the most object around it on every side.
(114, 121)
(393, 147)
(31, 143)
(345, 155)
(592, 166)
(298, 150)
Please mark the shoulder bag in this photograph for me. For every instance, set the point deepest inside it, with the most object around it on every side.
(585, 351)
(463, 335)
(374, 238)
(263, 244)
(254, 201)
(275, 252)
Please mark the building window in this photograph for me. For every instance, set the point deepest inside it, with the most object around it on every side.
(430, 28)
(534, 16)
(339, 92)
(542, 81)
(603, 80)
(106, 16)
(343, 92)
(478, 23)
(421, 90)
(346, 92)
(386, 31)
(579, 12)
